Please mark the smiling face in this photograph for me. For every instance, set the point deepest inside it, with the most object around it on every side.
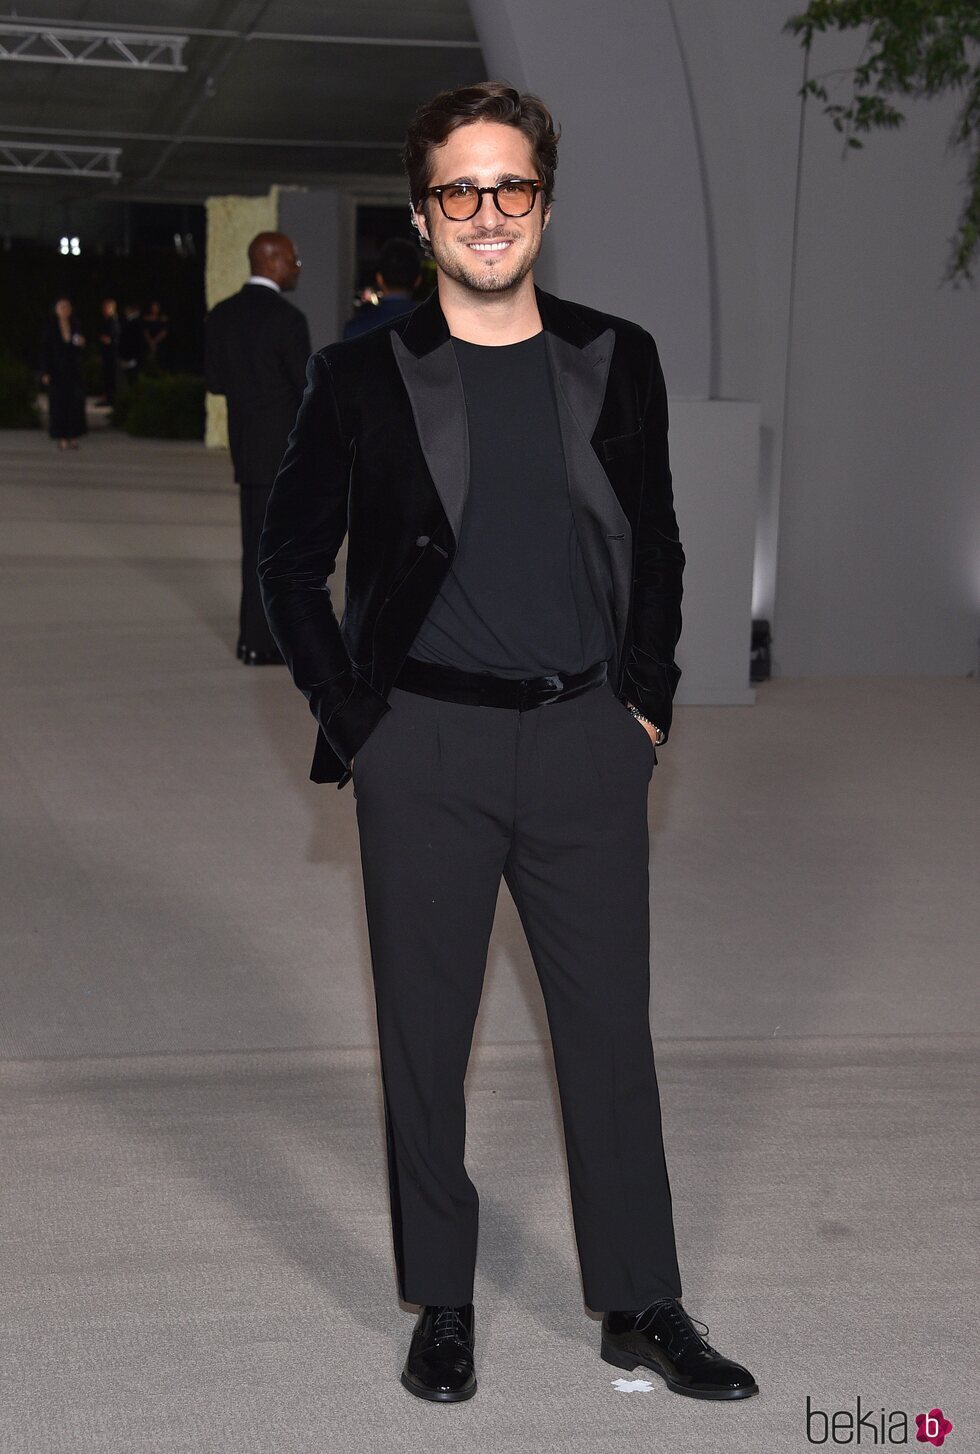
(488, 253)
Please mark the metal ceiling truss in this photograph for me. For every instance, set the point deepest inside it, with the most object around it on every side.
(129, 50)
(25, 159)
(159, 32)
(292, 143)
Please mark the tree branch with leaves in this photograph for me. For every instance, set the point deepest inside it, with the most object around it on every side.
(917, 48)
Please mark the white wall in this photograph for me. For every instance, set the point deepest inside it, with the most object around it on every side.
(879, 542)
(320, 222)
(714, 450)
(870, 483)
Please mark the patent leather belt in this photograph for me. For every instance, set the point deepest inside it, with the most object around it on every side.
(482, 689)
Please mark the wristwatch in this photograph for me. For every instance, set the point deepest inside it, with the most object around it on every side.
(659, 737)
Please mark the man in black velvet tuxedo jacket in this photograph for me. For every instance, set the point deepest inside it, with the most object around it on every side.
(503, 665)
(379, 454)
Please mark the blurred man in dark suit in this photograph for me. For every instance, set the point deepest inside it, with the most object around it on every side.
(109, 332)
(131, 342)
(256, 347)
(399, 274)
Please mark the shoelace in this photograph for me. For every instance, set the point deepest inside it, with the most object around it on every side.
(449, 1324)
(679, 1320)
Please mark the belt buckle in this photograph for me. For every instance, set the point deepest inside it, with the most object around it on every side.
(550, 690)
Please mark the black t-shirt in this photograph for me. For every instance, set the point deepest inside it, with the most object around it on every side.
(517, 600)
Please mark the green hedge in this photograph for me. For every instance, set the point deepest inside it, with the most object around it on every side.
(167, 406)
(18, 395)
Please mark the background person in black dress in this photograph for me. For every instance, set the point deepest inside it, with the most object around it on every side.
(61, 373)
(109, 330)
(256, 347)
(156, 328)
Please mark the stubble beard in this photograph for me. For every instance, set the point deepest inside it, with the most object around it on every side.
(454, 262)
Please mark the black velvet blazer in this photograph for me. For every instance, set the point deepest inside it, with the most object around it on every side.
(379, 453)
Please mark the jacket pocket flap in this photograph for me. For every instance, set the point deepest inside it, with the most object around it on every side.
(622, 444)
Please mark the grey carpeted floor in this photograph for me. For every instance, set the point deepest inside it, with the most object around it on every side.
(196, 1250)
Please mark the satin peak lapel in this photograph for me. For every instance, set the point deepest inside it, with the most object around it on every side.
(604, 531)
(582, 374)
(435, 390)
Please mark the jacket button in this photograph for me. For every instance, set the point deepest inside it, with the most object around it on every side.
(422, 540)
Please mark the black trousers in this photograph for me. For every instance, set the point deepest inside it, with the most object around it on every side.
(450, 797)
(253, 628)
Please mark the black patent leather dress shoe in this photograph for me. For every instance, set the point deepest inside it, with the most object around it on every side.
(439, 1365)
(261, 658)
(662, 1337)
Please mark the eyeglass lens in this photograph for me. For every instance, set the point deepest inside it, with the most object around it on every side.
(462, 201)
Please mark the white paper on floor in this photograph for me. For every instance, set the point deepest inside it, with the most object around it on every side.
(632, 1385)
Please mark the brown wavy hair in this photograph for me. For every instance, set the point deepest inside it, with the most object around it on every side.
(485, 101)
